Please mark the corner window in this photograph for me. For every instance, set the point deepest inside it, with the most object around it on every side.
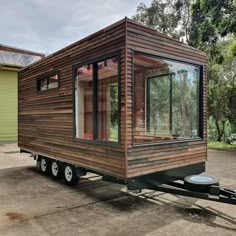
(47, 82)
(96, 97)
(166, 100)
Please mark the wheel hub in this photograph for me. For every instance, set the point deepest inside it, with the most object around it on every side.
(54, 169)
(43, 165)
(68, 173)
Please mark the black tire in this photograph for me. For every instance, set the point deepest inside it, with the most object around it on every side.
(70, 175)
(44, 165)
(200, 183)
(56, 169)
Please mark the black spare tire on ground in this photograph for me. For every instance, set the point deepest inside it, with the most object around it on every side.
(200, 183)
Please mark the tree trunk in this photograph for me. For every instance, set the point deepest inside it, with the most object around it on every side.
(186, 123)
(219, 131)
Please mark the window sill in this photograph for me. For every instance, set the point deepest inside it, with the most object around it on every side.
(97, 142)
(166, 142)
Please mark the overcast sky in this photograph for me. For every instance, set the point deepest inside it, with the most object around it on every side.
(47, 26)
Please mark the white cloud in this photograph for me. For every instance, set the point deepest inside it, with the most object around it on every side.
(47, 26)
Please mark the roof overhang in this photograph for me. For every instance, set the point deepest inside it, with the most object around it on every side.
(10, 67)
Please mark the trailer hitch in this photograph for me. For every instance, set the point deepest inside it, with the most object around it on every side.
(228, 193)
(216, 193)
(196, 186)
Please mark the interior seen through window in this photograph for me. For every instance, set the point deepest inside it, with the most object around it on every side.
(166, 100)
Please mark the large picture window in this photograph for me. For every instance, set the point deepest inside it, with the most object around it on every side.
(166, 100)
(97, 100)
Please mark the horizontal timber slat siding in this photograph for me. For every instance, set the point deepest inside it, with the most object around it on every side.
(146, 159)
(46, 117)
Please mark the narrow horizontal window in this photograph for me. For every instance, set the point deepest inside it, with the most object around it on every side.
(47, 82)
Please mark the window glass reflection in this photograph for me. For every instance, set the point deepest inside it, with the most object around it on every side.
(166, 100)
(84, 102)
(108, 99)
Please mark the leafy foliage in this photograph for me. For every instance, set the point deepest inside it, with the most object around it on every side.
(222, 88)
(114, 105)
(211, 21)
(210, 26)
(174, 95)
(171, 17)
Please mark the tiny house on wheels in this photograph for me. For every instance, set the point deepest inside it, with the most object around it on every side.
(126, 102)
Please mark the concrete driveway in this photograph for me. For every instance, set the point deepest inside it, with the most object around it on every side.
(32, 204)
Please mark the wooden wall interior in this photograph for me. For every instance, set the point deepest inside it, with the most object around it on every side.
(151, 158)
(46, 117)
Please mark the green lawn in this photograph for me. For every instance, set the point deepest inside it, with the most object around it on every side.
(214, 144)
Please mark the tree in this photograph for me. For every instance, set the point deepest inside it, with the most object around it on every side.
(217, 98)
(208, 25)
(230, 74)
(212, 24)
(171, 17)
(222, 88)
(211, 21)
(159, 103)
(114, 107)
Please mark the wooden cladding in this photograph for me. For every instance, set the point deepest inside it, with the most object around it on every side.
(146, 159)
(46, 118)
(46, 124)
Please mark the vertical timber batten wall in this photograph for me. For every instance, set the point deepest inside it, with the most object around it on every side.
(46, 118)
(146, 159)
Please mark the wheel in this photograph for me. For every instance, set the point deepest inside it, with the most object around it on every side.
(70, 175)
(56, 169)
(200, 183)
(44, 165)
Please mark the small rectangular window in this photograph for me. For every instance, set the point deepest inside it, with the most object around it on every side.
(47, 82)
(52, 81)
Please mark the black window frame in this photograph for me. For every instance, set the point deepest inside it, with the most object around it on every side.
(200, 103)
(94, 62)
(46, 76)
(148, 79)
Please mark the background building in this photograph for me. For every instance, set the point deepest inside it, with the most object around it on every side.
(11, 61)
